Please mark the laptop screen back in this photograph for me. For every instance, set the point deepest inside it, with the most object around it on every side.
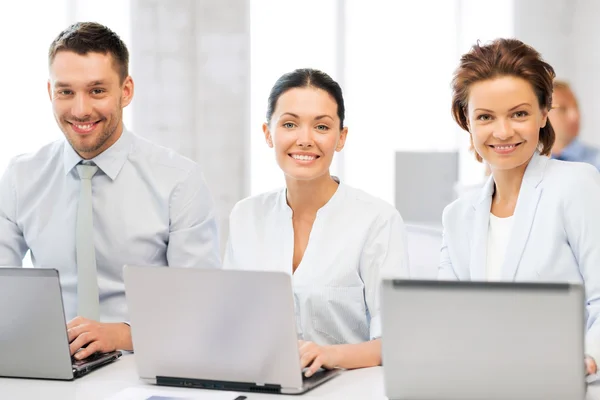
(221, 325)
(33, 337)
(467, 340)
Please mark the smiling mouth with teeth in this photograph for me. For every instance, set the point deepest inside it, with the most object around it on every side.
(303, 157)
(82, 128)
(88, 126)
(504, 147)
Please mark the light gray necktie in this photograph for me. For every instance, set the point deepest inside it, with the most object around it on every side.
(88, 299)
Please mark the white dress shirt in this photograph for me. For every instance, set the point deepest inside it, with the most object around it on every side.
(354, 238)
(497, 245)
(151, 206)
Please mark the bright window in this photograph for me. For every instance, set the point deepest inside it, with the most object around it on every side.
(25, 108)
(399, 62)
(396, 64)
(285, 35)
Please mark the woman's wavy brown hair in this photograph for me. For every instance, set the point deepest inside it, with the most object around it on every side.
(504, 57)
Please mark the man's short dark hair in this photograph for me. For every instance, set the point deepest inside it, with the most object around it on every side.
(91, 37)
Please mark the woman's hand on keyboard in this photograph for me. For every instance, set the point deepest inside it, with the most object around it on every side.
(314, 357)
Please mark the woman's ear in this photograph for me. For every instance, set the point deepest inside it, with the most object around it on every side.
(544, 118)
(342, 139)
(268, 137)
(465, 116)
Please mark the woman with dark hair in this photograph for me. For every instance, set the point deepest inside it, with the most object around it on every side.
(335, 240)
(536, 219)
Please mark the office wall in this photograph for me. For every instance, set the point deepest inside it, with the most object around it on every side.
(477, 20)
(398, 63)
(585, 67)
(191, 65)
(191, 61)
(567, 34)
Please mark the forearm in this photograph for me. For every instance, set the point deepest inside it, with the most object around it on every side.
(123, 336)
(350, 356)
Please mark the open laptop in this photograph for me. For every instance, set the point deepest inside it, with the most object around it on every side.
(216, 329)
(33, 331)
(482, 340)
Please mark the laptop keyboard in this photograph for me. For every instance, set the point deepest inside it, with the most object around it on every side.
(317, 375)
(93, 357)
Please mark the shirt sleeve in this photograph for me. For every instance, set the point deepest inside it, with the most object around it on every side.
(595, 160)
(384, 254)
(582, 225)
(12, 242)
(193, 234)
(229, 261)
(445, 271)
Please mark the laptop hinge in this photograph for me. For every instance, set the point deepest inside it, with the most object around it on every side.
(218, 385)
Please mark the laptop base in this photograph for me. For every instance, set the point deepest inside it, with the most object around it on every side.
(83, 367)
(308, 384)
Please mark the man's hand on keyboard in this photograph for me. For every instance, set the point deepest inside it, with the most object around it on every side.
(97, 337)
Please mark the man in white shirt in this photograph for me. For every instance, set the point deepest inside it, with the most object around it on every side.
(103, 197)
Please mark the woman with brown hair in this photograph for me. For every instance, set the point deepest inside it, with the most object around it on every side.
(536, 219)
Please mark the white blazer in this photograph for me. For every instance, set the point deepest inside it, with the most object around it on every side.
(555, 236)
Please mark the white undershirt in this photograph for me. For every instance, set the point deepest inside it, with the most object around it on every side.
(498, 236)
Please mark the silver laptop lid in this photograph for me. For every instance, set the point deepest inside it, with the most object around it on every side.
(33, 334)
(482, 340)
(221, 325)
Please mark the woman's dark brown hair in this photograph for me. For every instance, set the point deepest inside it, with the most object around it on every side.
(504, 57)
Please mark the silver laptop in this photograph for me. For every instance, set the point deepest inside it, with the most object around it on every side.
(216, 329)
(482, 340)
(33, 330)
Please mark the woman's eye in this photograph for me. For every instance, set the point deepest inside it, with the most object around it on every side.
(521, 114)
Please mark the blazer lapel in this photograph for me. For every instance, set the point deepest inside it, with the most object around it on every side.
(529, 196)
(482, 207)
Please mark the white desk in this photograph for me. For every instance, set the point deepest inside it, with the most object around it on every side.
(111, 379)
(108, 381)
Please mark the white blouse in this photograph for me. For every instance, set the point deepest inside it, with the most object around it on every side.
(354, 239)
(499, 232)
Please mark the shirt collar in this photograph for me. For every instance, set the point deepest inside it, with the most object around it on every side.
(110, 161)
(338, 194)
(534, 174)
